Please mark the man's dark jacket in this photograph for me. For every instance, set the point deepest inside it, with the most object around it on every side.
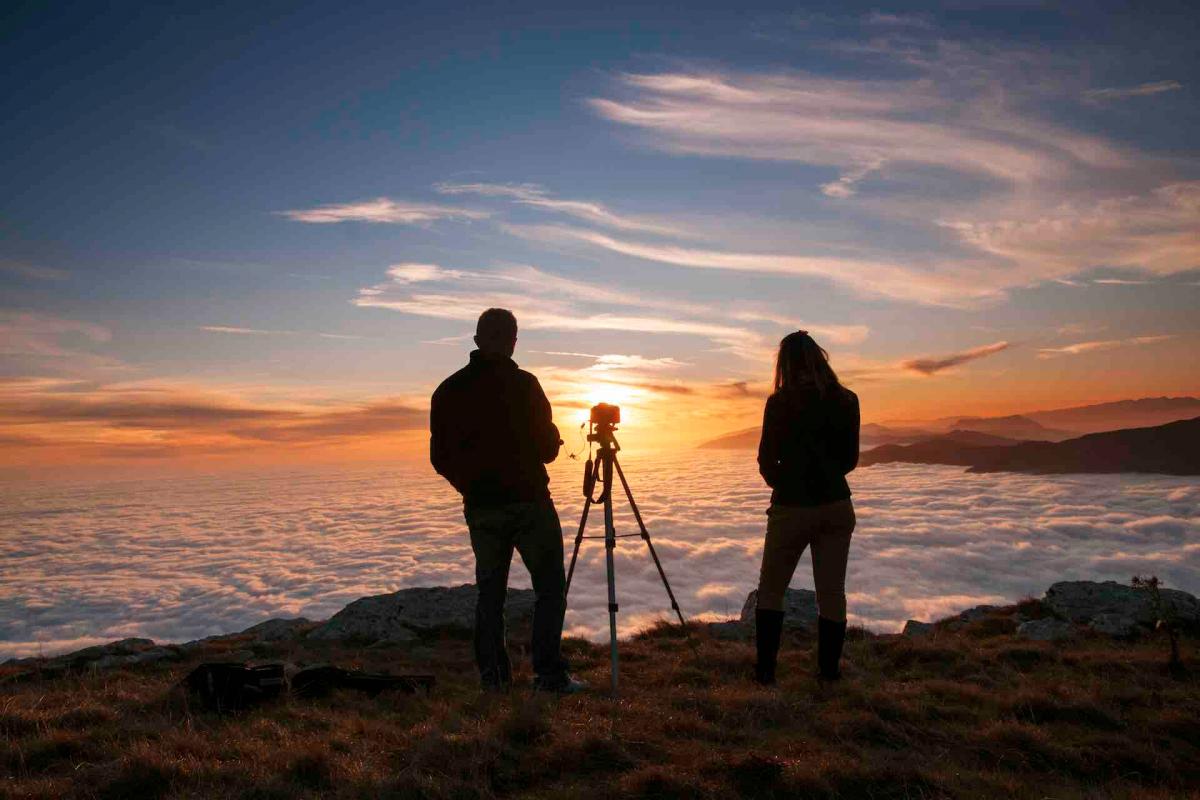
(491, 433)
(809, 442)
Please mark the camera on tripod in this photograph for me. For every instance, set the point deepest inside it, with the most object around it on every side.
(602, 470)
(605, 414)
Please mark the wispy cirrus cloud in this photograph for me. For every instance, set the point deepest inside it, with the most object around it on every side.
(616, 362)
(149, 420)
(34, 271)
(532, 194)
(38, 334)
(1156, 231)
(243, 331)
(543, 300)
(238, 331)
(931, 365)
(950, 287)
(1080, 348)
(36, 343)
(1123, 93)
(382, 210)
(1029, 199)
(848, 124)
(540, 300)
(885, 19)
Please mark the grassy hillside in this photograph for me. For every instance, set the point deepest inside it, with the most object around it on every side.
(961, 714)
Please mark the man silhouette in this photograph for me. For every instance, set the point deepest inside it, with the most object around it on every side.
(491, 435)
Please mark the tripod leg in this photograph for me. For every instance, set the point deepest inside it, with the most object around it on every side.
(587, 505)
(610, 544)
(646, 537)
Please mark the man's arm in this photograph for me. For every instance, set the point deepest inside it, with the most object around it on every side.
(545, 432)
(443, 449)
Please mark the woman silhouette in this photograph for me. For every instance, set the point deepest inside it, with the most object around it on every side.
(809, 443)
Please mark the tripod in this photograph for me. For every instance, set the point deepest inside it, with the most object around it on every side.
(602, 470)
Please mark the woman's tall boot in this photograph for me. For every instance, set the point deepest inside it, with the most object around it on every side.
(768, 628)
(830, 638)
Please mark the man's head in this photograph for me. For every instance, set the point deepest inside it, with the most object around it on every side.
(496, 332)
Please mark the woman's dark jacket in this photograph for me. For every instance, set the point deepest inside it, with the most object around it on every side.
(809, 443)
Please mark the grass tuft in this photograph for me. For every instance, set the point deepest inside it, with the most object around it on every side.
(970, 713)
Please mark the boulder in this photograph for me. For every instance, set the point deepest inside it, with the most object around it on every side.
(799, 606)
(1117, 625)
(1083, 601)
(1045, 630)
(401, 615)
(963, 618)
(975, 613)
(148, 656)
(103, 656)
(121, 647)
(278, 629)
(915, 629)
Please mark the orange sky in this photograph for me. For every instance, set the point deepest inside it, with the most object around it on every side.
(50, 424)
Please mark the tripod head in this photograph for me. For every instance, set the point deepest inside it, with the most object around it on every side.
(603, 422)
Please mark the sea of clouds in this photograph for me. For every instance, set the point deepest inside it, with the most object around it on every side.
(175, 559)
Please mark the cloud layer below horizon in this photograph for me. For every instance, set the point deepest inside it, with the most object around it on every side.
(180, 560)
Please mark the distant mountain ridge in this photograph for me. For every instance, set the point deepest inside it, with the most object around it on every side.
(1094, 418)
(1171, 449)
(1049, 425)
(1016, 427)
(870, 435)
(1144, 412)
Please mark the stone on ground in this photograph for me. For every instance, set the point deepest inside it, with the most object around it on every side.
(1047, 629)
(278, 629)
(799, 606)
(401, 615)
(1083, 601)
(915, 629)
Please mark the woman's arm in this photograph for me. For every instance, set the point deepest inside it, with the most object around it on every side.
(848, 444)
(769, 449)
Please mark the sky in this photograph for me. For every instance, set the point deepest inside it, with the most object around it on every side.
(261, 232)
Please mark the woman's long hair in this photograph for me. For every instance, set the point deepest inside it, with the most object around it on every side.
(803, 363)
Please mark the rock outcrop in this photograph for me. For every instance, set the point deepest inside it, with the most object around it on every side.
(402, 616)
(123, 652)
(1117, 605)
(915, 629)
(799, 606)
(1047, 629)
(279, 629)
(1068, 609)
(1108, 608)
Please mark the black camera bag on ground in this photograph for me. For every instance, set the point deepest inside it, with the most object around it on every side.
(319, 680)
(231, 686)
(224, 686)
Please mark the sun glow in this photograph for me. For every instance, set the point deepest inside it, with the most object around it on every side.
(617, 394)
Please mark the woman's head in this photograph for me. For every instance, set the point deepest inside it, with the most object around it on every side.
(802, 363)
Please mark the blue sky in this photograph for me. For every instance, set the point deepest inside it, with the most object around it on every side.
(280, 211)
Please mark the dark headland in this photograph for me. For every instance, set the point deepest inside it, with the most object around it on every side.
(1021, 443)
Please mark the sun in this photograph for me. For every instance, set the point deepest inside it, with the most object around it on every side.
(616, 394)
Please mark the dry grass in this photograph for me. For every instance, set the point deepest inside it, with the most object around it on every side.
(973, 713)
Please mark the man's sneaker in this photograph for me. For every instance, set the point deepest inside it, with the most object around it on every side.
(563, 684)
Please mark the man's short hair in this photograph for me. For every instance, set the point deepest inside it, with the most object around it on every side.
(497, 324)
